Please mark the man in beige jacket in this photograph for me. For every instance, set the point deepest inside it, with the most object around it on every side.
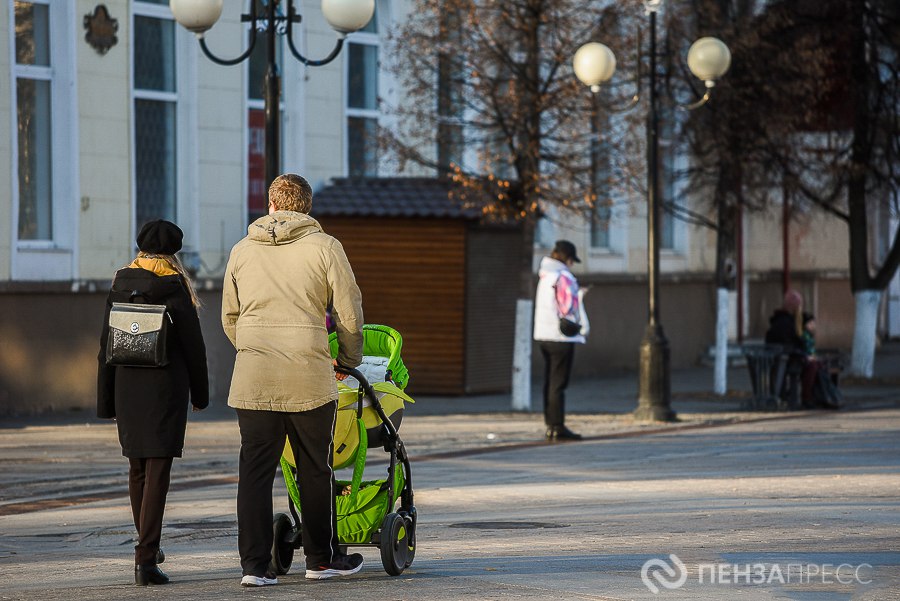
(279, 281)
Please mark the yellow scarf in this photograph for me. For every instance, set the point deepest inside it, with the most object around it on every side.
(160, 267)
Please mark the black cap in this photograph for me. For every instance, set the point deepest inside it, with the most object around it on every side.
(566, 249)
(160, 237)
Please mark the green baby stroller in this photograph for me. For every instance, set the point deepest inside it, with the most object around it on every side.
(368, 417)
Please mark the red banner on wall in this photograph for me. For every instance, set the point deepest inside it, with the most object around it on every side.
(256, 162)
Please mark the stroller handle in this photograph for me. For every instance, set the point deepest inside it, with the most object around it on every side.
(353, 373)
(369, 392)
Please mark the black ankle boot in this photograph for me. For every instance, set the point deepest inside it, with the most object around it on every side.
(555, 433)
(149, 574)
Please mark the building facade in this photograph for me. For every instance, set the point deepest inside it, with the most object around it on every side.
(115, 116)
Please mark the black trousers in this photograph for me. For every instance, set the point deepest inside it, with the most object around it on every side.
(148, 485)
(558, 358)
(262, 441)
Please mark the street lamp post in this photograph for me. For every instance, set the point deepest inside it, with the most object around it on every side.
(344, 16)
(594, 63)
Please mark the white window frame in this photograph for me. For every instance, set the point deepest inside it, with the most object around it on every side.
(363, 38)
(187, 205)
(56, 258)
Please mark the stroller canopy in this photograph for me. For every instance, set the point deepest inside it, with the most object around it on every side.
(380, 341)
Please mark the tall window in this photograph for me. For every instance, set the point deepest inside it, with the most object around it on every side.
(33, 80)
(667, 175)
(667, 197)
(362, 101)
(601, 171)
(450, 134)
(257, 195)
(155, 108)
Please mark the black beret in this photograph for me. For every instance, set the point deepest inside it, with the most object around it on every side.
(160, 237)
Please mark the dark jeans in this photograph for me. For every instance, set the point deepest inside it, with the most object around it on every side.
(262, 441)
(148, 485)
(557, 368)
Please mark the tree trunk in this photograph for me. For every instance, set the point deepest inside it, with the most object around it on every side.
(528, 169)
(725, 274)
(721, 370)
(864, 334)
(521, 369)
(861, 281)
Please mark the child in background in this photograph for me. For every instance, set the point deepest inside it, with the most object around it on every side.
(809, 335)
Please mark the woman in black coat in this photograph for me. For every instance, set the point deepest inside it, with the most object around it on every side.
(150, 403)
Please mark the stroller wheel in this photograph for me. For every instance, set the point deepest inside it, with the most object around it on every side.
(282, 547)
(410, 537)
(394, 544)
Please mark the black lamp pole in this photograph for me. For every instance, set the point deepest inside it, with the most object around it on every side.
(270, 23)
(272, 100)
(654, 393)
(594, 63)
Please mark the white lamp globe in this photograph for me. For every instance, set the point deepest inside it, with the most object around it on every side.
(594, 63)
(196, 15)
(709, 59)
(346, 16)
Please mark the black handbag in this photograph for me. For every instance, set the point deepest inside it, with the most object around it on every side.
(137, 335)
(568, 327)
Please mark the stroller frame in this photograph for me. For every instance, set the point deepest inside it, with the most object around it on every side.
(396, 537)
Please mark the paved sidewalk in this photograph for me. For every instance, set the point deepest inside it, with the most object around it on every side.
(504, 514)
(691, 391)
(787, 500)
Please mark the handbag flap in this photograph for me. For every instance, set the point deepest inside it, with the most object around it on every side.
(136, 319)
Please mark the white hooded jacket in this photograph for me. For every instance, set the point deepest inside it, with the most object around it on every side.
(546, 315)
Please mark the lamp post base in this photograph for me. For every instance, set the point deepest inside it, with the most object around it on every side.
(654, 401)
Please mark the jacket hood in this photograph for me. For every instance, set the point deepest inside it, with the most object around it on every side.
(152, 287)
(282, 227)
(550, 266)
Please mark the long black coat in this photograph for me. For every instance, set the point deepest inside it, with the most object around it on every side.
(150, 403)
(783, 330)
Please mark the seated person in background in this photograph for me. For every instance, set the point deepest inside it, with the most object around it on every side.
(786, 324)
(795, 330)
(809, 335)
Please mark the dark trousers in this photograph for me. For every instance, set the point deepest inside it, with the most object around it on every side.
(262, 441)
(148, 485)
(557, 368)
(808, 381)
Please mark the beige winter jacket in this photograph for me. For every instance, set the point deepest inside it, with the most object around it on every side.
(278, 283)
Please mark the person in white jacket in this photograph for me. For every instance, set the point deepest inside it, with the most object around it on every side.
(559, 324)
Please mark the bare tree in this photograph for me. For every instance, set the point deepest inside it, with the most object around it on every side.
(811, 104)
(845, 158)
(492, 104)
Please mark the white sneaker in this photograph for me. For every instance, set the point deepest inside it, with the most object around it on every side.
(259, 580)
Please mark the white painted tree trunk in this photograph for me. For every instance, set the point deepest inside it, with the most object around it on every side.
(521, 376)
(862, 362)
(722, 319)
